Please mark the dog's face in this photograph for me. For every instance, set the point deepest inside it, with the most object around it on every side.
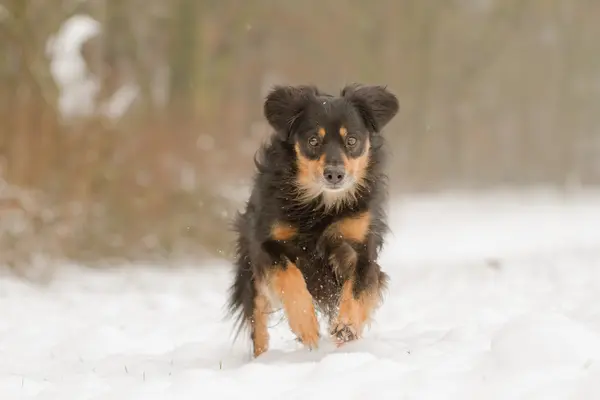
(332, 148)
(331, 136)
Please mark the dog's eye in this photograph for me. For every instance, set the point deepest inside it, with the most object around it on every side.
(313, 141)
(351, 141)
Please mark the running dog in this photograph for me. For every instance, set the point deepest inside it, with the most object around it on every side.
(309, 237)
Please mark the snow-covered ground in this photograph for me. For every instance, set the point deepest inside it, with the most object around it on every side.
(492, 297)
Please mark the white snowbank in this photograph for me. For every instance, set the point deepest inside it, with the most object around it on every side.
(78, 87)
(455, 325)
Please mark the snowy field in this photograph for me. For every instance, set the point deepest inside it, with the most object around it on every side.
(492, 297)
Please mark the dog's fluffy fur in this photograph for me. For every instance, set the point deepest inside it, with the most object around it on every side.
(313, 227)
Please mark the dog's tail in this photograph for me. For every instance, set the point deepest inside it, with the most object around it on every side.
(242, 292)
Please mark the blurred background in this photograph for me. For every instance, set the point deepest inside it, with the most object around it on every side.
(128, 127)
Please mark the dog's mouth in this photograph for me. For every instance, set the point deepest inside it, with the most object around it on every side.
(331, 190)
(337, 187)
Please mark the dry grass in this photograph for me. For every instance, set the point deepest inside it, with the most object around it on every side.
(482, 104)
(95, 193)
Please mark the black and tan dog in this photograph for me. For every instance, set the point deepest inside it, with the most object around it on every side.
(314, 224)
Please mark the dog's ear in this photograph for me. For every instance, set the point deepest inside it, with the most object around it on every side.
(375, 104)
(285, 104)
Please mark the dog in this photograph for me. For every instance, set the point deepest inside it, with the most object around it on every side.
(309, 237)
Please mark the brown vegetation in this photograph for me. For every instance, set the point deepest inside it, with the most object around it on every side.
(491, 92)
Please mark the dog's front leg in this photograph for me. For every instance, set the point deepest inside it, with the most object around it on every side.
(286, 282)
(349, 245)
(360, 296)
(339, 254)
(343, 241)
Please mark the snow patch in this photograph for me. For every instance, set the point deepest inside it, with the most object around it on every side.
(78, 88)
(77, 85)
(453, 326)
(550, 340)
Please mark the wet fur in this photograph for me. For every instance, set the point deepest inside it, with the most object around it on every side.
(286, 224)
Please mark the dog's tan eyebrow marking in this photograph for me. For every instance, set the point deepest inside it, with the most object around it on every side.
(322, 132)
(343, 132)
(282, 231)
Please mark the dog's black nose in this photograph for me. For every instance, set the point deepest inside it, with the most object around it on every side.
(334, 175)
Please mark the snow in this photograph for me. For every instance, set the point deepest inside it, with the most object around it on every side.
(493, 296)
(120, 101)
(78, 87)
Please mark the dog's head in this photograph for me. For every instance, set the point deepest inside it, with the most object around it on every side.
(331, 135)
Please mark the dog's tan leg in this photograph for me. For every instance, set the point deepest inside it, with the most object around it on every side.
(260, 318)
(289, 286)
(354, 312)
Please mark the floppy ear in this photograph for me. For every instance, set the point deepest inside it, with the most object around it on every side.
(375, 104)
(284, 104)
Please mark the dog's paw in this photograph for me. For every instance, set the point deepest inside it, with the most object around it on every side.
(308, 333)
(343, 333)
